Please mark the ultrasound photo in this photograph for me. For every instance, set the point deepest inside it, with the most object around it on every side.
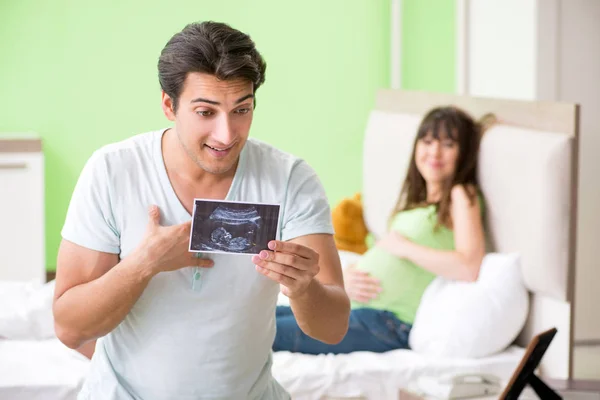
(232, 227)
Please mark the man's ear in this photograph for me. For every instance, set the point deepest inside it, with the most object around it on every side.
(168, 106)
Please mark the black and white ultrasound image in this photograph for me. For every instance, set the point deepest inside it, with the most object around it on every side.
(233, 227)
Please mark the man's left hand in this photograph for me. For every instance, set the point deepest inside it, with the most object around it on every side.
(292, 265)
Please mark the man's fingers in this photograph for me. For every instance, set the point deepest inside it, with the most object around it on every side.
(293, 248)
(205, 263)
(201, 262)
(281, 269)
(277, 277)
(291, 260)
(153, 216)
(186, 227)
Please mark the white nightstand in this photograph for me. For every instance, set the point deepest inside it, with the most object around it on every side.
(22, 236)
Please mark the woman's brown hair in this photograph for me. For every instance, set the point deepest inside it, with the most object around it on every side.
(459, 126)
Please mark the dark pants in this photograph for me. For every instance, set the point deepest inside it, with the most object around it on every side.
(369, 330)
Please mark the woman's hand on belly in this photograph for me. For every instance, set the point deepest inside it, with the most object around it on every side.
(360, 285)
(394, 243)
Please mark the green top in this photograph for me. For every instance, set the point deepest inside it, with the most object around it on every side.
(402, 281)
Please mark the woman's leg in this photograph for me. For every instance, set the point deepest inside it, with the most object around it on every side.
(369, 330)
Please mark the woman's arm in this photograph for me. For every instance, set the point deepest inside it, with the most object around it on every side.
(461, 264)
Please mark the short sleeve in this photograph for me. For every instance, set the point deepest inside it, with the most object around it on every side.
(90, 222)
(306, 208)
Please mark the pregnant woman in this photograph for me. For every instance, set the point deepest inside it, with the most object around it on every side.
(434, 230)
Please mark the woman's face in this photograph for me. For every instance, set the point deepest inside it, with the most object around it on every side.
(436, 158)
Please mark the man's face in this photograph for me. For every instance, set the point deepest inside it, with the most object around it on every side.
(212, 120)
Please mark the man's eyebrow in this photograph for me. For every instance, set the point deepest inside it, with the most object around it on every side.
(216, 103)
(248, 96)
(201, 100)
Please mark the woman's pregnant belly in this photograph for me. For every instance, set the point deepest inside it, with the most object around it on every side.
(402, 283)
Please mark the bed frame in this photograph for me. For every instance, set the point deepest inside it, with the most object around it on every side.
(528, 174)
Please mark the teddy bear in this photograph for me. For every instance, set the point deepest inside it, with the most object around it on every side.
(350, 229)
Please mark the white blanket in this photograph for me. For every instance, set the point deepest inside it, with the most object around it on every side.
(376, 375)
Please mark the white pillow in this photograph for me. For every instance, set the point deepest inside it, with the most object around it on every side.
(26, 310)
(346, 257)
(470, 320)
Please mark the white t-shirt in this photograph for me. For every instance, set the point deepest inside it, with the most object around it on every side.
(187, 339)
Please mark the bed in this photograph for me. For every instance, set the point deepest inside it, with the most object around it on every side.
(34, 364)
(541, 138)
(46, 369)
(531, 153)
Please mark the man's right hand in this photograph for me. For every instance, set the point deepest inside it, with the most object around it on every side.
(96, 290)
(166, 248)
(360, 286)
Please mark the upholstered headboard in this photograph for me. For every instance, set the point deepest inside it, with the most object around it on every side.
(528, 175)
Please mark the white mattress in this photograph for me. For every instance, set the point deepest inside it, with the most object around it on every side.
(376, 375)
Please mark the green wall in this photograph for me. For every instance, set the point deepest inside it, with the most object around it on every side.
(83, 74)
(428, 45)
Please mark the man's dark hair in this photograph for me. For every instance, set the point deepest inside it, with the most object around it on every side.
(209, 47)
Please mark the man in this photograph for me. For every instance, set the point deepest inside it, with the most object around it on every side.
(171, 325)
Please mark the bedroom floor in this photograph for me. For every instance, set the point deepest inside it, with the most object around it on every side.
(587, 362)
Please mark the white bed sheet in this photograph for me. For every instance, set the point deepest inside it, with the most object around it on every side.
(40, 370)
(376, 375)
